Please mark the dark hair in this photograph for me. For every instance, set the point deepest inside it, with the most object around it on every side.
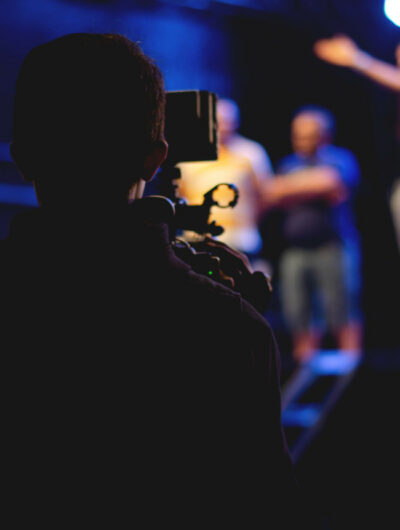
(325, 116)
(89, 105)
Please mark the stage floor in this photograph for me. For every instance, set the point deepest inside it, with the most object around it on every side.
(350, 468)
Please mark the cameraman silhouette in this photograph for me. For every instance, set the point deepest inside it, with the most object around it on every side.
(135, 388)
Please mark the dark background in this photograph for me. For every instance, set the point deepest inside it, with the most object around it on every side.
(260, 53)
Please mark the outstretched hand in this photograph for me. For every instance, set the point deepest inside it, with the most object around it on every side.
(339, 50)
(342, 51)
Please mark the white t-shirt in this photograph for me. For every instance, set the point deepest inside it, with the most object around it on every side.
(245, 164)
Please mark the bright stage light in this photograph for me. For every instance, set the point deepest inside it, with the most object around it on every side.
(392, 11)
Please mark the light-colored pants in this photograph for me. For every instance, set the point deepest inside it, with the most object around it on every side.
(394, 202)
(314, 289)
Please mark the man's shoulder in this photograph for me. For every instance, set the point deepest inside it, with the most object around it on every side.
(344, 160)
(247, 143)
(288, 163)
(337, 152)
(247, 147)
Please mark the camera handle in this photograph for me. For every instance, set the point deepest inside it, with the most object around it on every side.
(255, 287)
(193, 217)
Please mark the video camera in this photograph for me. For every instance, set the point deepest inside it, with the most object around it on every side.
(192, 136)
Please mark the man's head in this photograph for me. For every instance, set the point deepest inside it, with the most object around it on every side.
(88, 118)
(228, 117)
(311, 128)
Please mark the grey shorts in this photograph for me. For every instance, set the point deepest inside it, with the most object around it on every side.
(313, 288)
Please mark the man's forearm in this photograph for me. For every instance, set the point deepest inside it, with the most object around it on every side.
(383, 73)
(308, 184)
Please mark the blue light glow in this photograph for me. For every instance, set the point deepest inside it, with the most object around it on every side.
(392, 11)
(22, 195)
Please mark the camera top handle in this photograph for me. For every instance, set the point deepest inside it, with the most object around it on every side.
(193, 217)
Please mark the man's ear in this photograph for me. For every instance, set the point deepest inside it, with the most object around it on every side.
(154, 159)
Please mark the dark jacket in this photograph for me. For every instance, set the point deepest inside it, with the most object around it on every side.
(130, 379)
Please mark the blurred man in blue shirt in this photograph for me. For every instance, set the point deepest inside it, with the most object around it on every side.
(319, 267)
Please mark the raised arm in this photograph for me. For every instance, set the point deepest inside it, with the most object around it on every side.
(343, 51)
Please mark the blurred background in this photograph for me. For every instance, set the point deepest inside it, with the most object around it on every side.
(259, 53)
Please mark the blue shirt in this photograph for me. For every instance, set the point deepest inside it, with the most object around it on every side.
(315, 222)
